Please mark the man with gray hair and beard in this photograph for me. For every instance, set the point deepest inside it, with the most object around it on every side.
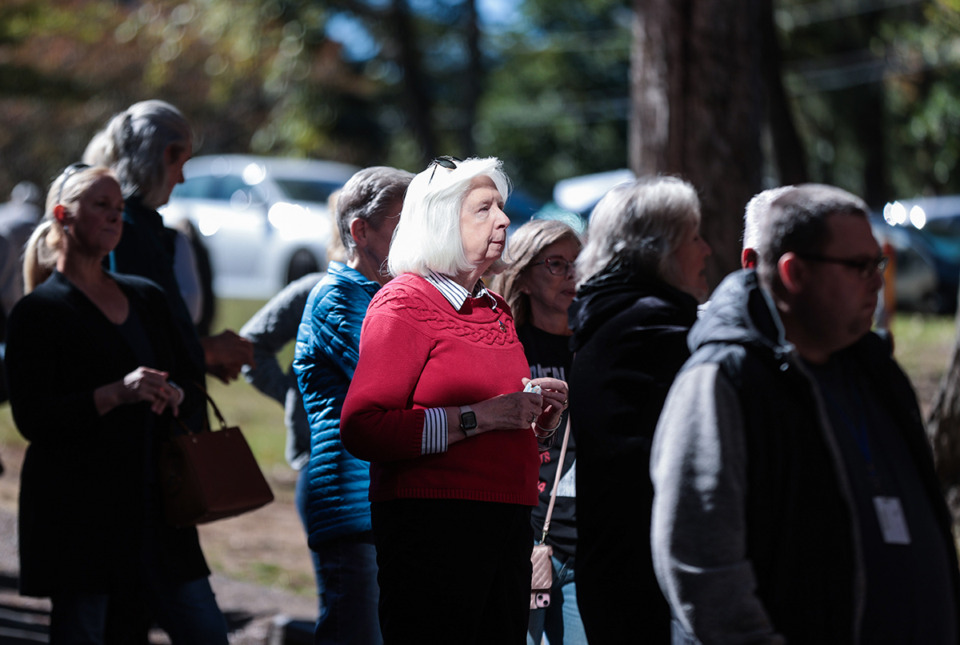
(795, 496)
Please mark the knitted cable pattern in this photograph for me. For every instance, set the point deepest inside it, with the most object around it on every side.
(475, 324)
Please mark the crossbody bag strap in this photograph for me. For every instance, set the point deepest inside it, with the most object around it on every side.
(556, 481)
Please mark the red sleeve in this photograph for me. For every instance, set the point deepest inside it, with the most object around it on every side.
(378, 422)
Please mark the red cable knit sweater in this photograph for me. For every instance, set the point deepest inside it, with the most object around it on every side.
(416, 353)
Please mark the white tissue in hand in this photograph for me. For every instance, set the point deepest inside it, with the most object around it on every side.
(532, 388)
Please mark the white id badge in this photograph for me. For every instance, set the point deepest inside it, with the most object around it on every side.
(893, 523)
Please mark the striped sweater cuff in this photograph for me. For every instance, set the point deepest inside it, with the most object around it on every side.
(434, 439)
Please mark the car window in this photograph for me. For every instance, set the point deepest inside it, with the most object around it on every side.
(195, 188)
(302, 190)
(222, 188)
(228, 187)
(944, 226)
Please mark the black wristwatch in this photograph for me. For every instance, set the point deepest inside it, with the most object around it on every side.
(468, 420)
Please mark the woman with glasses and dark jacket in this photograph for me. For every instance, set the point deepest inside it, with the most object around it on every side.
(96, 360)
(539, 285)
(641, 275)
(437, 406)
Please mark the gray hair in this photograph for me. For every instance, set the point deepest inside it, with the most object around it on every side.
(369, 195)
(797, 222)
(640, 224)
(526, 243)
(133, 143)
(428, 236)
(756, 212)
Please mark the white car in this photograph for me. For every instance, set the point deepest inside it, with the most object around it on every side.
(265, 221)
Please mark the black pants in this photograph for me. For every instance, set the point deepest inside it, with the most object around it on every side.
(453, 571)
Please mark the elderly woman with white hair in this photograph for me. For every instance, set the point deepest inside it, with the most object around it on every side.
(642, 273)
(437, 406)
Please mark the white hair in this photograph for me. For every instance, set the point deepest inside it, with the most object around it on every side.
(428, 236)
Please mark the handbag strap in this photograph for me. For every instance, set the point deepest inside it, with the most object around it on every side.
(216, 412)
(556, 480)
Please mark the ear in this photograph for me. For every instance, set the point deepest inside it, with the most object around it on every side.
(170, 153)
(358, 230)
(748, 258)
(792, 272)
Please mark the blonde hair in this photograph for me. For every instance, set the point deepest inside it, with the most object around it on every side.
(46, 242)
(526, 243)
(427, 237)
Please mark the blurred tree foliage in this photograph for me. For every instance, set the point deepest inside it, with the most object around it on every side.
(872, 84)
(251, 75)
(875, 88)
(557, 100)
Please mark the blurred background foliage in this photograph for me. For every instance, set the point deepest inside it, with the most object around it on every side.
(872, 85)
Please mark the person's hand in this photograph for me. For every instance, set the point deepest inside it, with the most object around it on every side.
(152, 386)
(226, 353)
(508, 411)
(555, 399)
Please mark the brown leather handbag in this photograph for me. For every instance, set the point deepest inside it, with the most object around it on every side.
(210, 475)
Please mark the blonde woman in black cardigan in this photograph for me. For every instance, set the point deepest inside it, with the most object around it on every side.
(94, 359)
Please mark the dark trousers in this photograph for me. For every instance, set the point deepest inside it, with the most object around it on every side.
(453, 571)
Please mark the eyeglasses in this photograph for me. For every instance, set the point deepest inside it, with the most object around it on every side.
(446, 161)
(68, 172)
(556, 265)
(865, 268)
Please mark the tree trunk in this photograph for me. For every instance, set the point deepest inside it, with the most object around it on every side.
(472, 79)
(791, 158)
(415, 93)
(697, 108)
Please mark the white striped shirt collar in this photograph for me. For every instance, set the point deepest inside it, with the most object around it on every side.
(454, 293)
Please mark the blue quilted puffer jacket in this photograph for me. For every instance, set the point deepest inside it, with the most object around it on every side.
(328, 345)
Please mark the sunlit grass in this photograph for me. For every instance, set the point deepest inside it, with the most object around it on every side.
(923, 344)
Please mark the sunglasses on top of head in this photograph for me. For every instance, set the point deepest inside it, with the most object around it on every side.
(444, 161)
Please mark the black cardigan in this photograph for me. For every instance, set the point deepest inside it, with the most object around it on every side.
(85, 504)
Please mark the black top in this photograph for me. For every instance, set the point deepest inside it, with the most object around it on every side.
(146, 249)
(549, 356)
(82, 515)
(909, 596)
(630, 339)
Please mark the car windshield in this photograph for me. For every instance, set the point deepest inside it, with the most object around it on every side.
(306, 190)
